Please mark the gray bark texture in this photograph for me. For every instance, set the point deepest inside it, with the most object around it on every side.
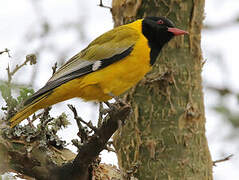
(165, 136)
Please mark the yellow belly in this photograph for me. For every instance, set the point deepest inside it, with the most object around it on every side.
(114, 79)
(118, 77)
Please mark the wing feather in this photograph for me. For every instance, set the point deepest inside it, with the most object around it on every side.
(108, 48)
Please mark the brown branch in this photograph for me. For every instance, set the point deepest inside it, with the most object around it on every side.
(80, 167)
(101, 113)
(79, 119)
(48, 162)
(83, 133)
(222, 160)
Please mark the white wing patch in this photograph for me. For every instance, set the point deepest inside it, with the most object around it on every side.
(96, 65)
(69, 68)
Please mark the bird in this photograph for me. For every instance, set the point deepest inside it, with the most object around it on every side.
(107, 67)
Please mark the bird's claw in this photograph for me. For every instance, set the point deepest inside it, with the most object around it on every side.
(119, 103)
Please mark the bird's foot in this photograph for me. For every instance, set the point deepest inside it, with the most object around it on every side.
(119, 103)
(116, 108)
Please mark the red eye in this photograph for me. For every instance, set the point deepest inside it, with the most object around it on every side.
(160, 22)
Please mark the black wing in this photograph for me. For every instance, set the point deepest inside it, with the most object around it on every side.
(89, 68)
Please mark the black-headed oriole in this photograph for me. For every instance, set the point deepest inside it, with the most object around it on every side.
(108, 66)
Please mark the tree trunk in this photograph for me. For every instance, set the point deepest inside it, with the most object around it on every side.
(165, 136)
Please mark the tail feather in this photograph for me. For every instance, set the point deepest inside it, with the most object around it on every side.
(28, 110)
(47, 98)
(22, 114)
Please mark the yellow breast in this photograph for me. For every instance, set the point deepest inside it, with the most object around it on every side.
(114, 79)
(118, 77)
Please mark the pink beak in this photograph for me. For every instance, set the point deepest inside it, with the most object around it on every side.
(177, 31)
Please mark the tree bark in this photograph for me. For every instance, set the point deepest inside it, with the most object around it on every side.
(55, 162)
(165, 136)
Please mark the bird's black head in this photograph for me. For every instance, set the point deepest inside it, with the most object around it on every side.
(158, 31)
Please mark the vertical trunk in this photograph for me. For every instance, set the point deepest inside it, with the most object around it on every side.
(165, 135)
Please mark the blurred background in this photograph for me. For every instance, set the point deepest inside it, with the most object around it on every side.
(56, 30)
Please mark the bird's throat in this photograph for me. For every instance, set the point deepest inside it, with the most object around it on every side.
(154, 52)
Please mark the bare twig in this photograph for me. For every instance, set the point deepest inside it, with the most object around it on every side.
(79, 119)
(6, 51)
(29, 58)
(83, 133)
(102, 5)
(222, 160)
(8, 75)
(54, 68)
